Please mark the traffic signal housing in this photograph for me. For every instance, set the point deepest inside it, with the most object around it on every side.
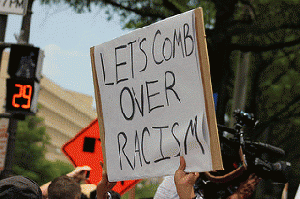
(25, 62)
(22, 88)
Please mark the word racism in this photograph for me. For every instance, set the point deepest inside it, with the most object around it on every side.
(139, 143)
(143, 76)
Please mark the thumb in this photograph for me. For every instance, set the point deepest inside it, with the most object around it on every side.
(182, 163)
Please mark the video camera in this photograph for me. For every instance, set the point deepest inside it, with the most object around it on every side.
(237, 152)
(258, 155)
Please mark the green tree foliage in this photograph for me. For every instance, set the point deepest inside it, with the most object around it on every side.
(145, 189)
(30, 149)
(139, 13)
(276, 100)
(268, 29)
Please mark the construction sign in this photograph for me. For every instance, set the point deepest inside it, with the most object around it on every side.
(85, 149)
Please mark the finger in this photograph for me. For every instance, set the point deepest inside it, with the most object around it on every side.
(86, 168)
(82, 168)
(182, 163)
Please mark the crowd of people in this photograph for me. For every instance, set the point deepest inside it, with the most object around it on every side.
(179, 186)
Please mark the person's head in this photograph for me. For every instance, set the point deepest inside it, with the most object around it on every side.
(19, 187)
(64, 187)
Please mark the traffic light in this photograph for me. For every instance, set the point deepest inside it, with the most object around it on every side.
(25, 62)
(24, 69)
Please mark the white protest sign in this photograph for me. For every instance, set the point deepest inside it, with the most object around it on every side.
(13, 7)
(152, 101)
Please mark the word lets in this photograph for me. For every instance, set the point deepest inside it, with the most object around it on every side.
(161, 47)
(135, 56)
(141, 138)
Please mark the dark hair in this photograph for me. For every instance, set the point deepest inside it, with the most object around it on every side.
(19, 187)
(64, 187)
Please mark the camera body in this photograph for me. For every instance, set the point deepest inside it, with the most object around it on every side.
(259, 159)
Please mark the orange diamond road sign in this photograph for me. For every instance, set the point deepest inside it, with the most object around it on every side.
(85, 149)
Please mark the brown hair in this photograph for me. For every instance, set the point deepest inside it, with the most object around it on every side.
(63, 187)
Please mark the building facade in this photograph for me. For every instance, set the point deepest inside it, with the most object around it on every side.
(65, 112)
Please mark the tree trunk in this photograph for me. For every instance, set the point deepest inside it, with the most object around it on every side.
(219, 55)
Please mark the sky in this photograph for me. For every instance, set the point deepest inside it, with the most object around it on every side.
(66, 38)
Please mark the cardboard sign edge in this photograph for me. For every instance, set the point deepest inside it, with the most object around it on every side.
(208, 93)
(98, 106)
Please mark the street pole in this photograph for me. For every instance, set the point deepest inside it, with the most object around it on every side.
(26, 21)
(13, 118)
(3, 22)
(12, 129)
(10, 149)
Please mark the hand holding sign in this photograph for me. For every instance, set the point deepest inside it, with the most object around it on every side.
(185, 181)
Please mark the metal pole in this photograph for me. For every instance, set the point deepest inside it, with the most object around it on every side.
(3, 22)
(13, 121)
(26, 21)
(12, 129)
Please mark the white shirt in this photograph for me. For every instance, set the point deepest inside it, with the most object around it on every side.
(167, 189)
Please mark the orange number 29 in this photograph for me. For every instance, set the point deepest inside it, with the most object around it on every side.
(22, 94)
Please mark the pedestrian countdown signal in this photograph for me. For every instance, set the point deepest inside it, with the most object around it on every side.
(21, 95)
